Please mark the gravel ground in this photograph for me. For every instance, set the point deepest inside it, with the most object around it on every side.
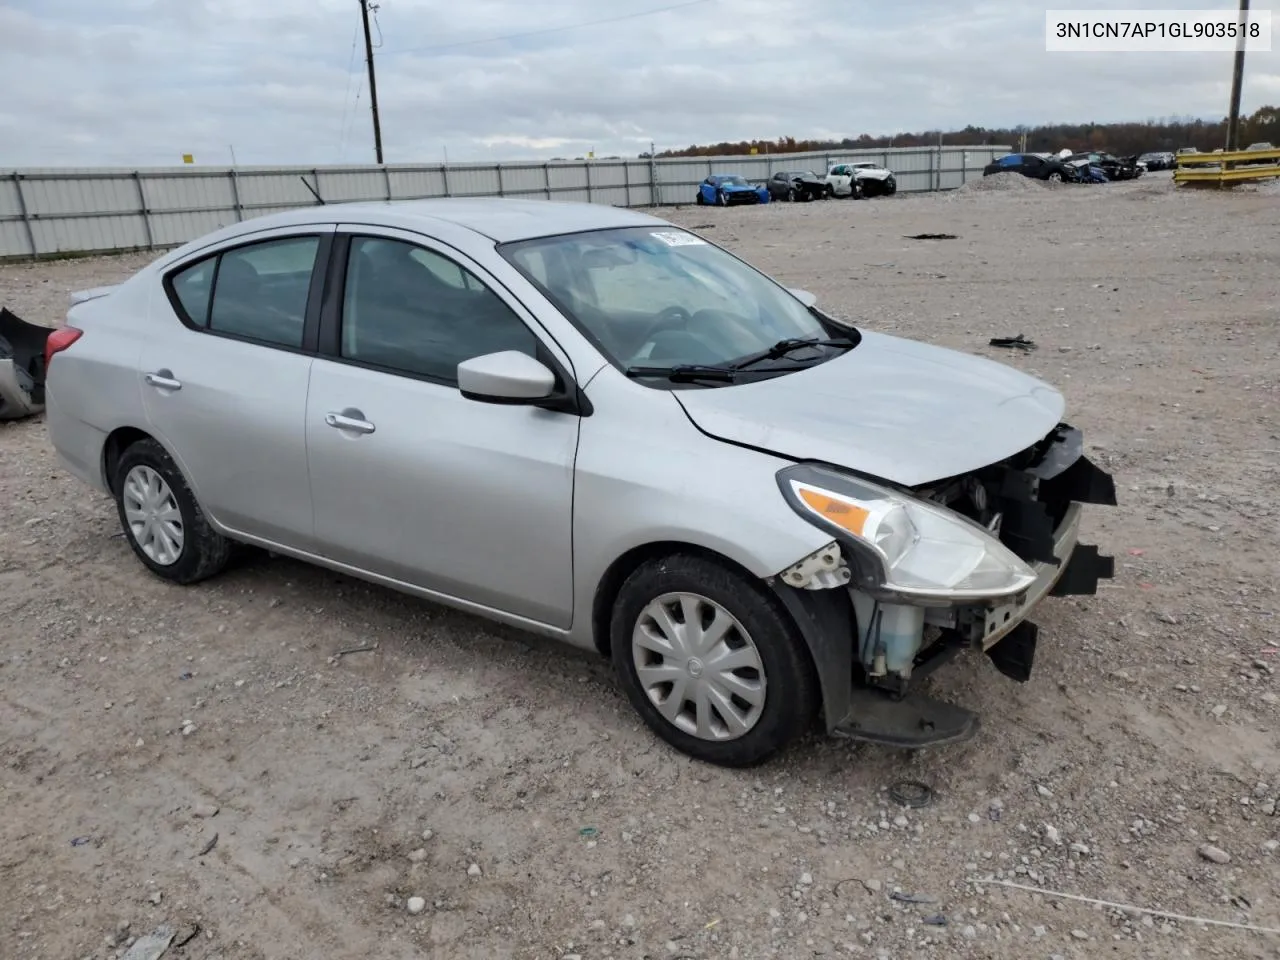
(461, 763)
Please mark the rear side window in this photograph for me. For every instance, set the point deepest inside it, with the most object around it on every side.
(260, 291)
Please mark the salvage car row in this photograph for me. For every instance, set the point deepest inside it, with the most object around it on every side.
(1090, 166)
(855, 180)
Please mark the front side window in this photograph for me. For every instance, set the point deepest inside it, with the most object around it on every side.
(663, 296)
(411, 310)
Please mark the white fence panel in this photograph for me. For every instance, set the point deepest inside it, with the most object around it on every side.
(69, 211)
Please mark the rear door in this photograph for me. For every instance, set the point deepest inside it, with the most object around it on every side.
(224, 381)
(410, 479)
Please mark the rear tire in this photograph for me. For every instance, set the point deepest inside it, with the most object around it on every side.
(161, 519)
(791, 194)
(744, 693)
(721, 199)
(701, 200)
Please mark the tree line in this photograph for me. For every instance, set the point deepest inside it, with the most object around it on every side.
(1169, 133)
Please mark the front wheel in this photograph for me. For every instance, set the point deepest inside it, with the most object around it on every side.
(711, 661)
(162, 521)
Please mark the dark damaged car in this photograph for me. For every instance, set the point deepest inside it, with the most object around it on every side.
(798, 185)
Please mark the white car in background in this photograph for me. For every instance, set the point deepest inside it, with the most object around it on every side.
(871, 180)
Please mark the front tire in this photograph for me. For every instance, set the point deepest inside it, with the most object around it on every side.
(161, 519)
(711, 661)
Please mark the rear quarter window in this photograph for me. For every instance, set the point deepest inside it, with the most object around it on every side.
(193, 287)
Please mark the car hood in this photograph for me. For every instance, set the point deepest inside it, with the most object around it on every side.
(896, 409)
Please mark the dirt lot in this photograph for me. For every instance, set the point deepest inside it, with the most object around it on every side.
(131, 710)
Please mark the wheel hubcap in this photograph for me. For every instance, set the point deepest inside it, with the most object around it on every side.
(698, 666)
(152, 514)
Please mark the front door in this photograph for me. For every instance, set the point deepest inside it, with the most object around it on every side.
(224, 382)
(411, 480)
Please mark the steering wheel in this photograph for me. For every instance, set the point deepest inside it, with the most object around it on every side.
(674, 316)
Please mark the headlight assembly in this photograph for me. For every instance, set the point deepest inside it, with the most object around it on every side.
(903, 546)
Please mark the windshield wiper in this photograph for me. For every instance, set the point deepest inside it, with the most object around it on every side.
(685, 372)
(783, 347)
(688, 372)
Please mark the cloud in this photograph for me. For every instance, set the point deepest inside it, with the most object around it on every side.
(144, 81)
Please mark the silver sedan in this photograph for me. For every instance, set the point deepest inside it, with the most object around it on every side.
(592, 424)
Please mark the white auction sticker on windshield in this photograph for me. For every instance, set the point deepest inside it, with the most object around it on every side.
(678, 238)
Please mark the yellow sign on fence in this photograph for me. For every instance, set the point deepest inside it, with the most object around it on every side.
(188, 158)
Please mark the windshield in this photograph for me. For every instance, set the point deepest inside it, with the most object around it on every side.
(733, 181)
(658, 295)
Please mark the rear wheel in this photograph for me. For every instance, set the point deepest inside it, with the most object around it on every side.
(163, 523)
(1054, 177)
(791, 194)
(890, 187)
(721, 199)
(701, 200)
(711, 661)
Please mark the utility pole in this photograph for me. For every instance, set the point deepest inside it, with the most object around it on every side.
(373, 83)
(1237, 79)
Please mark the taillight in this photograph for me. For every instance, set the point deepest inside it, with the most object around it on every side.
(58, 341)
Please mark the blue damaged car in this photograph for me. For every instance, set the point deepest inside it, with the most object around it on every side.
(723, 189)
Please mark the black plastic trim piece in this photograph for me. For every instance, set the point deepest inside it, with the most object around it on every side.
(826, 620)
(911, 722)
(1085, 568)
(1015, 652)
(1083, 482)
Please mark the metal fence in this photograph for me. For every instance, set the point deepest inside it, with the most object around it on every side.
(61, 212)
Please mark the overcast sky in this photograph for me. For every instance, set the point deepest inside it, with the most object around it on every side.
(126, 82)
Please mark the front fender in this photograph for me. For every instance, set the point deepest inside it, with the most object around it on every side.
(646, 475)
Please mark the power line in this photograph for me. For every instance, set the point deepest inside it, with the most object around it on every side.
(346, 94)
(547, 30)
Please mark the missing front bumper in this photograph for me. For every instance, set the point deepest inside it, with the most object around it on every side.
(1076, 569)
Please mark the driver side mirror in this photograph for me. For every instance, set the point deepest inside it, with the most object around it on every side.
(508, 377)
(804, 296)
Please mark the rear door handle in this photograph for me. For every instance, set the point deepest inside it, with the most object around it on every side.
(352, 420)
(164, 380)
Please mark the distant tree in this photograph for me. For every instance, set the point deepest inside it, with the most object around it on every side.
(1165, 133)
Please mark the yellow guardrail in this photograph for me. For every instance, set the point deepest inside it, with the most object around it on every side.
(1238, 166)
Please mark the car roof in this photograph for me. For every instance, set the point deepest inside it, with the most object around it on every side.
(501, 219)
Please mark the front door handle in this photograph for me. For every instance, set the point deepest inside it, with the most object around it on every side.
(349, 419)
(164, 380)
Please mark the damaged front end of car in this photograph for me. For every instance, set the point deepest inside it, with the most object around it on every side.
(914, 577)
(21, 367)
